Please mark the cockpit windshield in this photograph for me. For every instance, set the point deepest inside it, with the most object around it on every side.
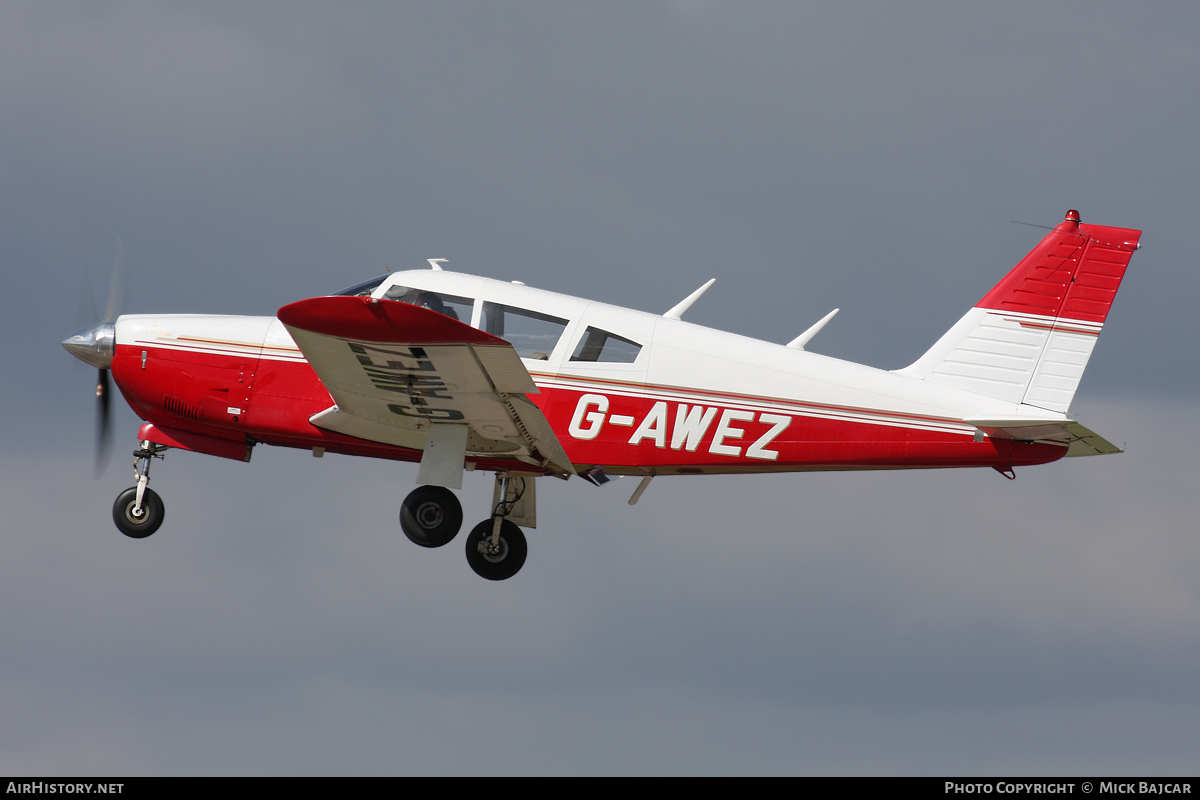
(362, 289)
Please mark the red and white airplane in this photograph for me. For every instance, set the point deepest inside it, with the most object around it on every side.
(466, 373)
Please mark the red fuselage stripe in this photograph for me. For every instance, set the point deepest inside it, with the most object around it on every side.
(235, 396)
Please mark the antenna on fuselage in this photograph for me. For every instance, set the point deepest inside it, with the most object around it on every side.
(677, 311)
(436, 263)
(801, 340)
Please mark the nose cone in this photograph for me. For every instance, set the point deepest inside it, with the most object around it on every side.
(94, 345)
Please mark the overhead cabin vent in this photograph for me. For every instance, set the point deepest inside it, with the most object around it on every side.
(176, 407)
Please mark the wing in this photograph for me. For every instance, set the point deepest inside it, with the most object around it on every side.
(1078, 440)
(407, 376)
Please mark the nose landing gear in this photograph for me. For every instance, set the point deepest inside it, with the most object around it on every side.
(138, 511)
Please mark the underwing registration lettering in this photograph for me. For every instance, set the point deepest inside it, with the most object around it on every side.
(408, 371)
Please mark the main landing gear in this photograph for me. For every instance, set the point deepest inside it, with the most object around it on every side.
(138, 511)
(496, 548)
(431, 516)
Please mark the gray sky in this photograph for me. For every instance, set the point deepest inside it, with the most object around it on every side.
(864, 156)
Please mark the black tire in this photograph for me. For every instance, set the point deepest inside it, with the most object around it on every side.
(147, 523)
(507, 562)
(431, 516)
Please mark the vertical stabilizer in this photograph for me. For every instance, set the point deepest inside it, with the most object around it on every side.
(1029, 339)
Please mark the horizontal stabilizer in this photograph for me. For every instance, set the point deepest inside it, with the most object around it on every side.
(1078, 439)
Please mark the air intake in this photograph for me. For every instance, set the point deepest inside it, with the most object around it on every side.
(176, 407)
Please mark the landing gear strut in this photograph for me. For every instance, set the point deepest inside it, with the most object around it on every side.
(431, 516)
(138, 511)
(496, 547)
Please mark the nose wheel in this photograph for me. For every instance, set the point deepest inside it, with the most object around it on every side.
(134, 520)
(431, 516)
(138, 511)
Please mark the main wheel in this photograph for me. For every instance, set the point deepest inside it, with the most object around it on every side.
(508, 557)
(431, 516)
(133, 525)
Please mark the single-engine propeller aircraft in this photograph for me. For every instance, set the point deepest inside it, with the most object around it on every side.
(466, 373)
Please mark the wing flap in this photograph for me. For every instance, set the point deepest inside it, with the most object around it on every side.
(505, 370)
(536, 429)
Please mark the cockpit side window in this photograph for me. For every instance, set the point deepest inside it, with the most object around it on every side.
(361, 289)
(532, 334)
(602, 346)
(452, 306)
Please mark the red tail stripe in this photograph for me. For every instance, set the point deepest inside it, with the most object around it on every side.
(1073, 273)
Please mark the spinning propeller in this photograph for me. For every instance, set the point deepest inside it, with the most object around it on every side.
(96, 345)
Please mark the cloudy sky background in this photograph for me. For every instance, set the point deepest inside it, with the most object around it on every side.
(863, 156)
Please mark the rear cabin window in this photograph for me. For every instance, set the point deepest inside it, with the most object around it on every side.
(599, 345)
(452, 306)
(533, 335)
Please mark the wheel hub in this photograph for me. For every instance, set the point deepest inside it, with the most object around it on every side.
(430, 515)
(494, 553)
